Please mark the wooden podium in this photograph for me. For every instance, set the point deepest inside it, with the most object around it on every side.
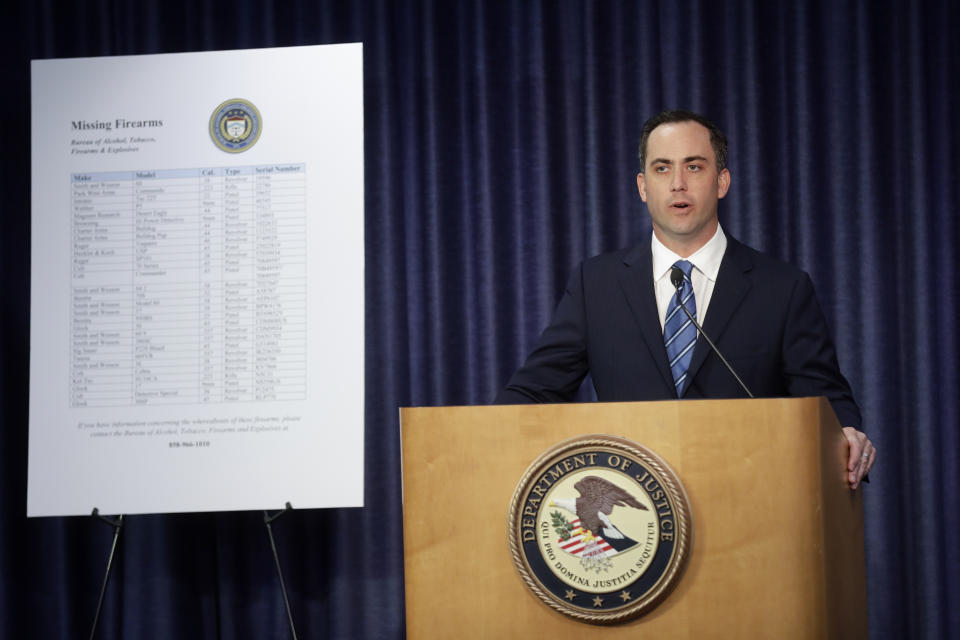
(777, 535)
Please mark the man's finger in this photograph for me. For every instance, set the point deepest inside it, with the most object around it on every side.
(856, 447)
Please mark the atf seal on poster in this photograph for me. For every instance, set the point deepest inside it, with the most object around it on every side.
(600, 529)
(235, 125)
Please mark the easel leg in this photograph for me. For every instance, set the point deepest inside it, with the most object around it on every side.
(268, 520)
(116, 524)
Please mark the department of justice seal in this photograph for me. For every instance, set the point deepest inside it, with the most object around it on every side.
(235, 125)
(600, 529)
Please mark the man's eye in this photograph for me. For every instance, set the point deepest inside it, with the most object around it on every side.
(694, 167)
(661, 169)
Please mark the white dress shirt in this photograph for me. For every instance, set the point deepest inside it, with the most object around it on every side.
(706, 264)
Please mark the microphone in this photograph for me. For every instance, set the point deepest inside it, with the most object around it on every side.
(676, 279)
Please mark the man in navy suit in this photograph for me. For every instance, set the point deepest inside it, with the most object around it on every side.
(762, 314)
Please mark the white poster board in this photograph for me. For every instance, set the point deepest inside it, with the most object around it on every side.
(197, 309)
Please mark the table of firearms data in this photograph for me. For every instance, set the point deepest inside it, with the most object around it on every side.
(188, 286)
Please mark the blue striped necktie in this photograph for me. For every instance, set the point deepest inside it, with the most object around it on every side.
(679, 334)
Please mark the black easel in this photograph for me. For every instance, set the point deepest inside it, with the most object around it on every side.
(116, 524)
(267, 520)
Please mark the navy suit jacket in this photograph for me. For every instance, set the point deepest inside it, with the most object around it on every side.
(763, 316)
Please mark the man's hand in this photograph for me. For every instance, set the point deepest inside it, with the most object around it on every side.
(861, 458)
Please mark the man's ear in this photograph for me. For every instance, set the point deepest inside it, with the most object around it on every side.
(723, 183)
(642, 186)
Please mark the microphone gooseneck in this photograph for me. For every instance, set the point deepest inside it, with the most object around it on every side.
(676, 279)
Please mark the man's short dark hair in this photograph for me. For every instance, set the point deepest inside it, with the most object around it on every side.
(717, 139)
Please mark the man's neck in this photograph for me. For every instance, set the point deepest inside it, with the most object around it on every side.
(703, 257)
(686, 247)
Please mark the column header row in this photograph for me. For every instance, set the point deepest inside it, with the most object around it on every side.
(208, 172)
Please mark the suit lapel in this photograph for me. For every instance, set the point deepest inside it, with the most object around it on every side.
(731, 288)
(636, 280)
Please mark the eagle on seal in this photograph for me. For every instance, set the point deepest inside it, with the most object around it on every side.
(597, 499)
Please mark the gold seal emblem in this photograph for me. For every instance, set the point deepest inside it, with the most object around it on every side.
(235, 125)
(599, 529)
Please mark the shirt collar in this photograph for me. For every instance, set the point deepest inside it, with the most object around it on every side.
(706, 259)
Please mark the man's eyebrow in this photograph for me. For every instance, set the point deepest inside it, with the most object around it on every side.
(685, 160)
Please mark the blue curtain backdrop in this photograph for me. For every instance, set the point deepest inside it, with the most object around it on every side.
(500, 150)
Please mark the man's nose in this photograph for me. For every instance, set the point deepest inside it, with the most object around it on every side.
(678, 182)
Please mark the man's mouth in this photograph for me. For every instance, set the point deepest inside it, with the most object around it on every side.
(680, 205)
